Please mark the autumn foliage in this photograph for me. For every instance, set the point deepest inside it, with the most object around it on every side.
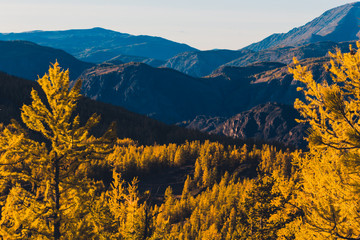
(330, 170)
(55, 175)
(46, 181)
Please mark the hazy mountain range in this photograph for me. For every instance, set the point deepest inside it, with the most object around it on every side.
(203, 63)
(171, 96)
(247, 93)
(98, 45)
(338, 24)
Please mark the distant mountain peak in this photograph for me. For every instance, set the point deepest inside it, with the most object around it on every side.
(100, 29)
(94, 29)
(338, 24)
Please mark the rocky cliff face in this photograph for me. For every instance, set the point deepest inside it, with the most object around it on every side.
(203, 123)
(268, 122)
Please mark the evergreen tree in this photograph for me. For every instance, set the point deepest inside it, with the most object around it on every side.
(331, 170)
(261, 203)
(49, 191)
(132, 218)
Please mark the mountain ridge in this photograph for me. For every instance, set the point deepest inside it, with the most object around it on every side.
(202, 63)
(30, 60)
(338, 24)
(171, 96)
(98, 44)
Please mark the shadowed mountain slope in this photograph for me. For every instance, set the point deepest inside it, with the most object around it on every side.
(171, 96)
(14, 92)
(161, 93)
(29, 60)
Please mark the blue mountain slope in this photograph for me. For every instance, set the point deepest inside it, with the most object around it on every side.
(338, 24)
(29, 60)
(99, 45)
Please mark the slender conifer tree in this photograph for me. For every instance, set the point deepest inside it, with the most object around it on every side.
(47, 193)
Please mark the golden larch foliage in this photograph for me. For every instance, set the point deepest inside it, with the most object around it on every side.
(50, 192)
(330, 171)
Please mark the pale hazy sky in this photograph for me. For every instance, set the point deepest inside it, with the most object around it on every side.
(204, 24)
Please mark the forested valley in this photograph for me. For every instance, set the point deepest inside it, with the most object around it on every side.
(58, 181)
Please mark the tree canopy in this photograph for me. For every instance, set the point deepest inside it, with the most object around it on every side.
(47, 175)
(330, 170)
(51, 169)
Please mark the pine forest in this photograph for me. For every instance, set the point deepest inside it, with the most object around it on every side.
(59, 181)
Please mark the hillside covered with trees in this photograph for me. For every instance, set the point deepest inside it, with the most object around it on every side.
(58, 181)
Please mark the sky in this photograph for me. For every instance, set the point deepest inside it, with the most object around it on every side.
(203, 24)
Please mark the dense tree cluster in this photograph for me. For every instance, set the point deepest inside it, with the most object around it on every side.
(329, 172)
(54, 183)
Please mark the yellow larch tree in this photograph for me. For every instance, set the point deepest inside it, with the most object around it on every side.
(46, 191)
(330, 172)
(132, 216)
